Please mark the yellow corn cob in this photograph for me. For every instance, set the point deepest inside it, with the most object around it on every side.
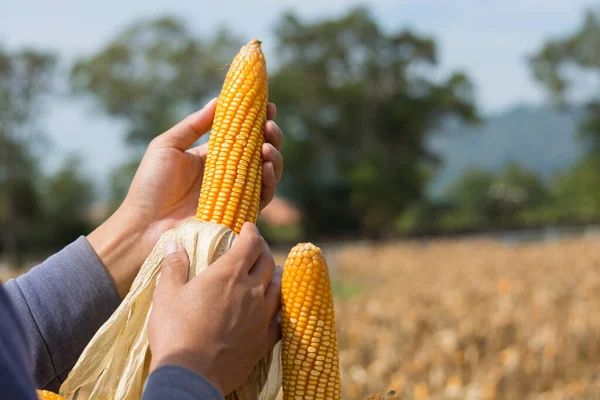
(309, 350)
(47, 395)
(230, 193)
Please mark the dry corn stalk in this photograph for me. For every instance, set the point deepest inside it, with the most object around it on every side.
(114, 365)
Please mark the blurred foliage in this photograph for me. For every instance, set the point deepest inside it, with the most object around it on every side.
(356, 103)
(471, 193)
(568, 67)
(25, 81)
(578, 191)
(290, 234)
(120, 180)
(153, 73)
(481, 199)
(571, 65)
(38, 210)
(68, 195)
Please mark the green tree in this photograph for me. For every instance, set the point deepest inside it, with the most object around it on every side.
(26, 78)
(356, 103)
(533, 191)
(577, 191)
(153, 73)
(568, 68)
(505, 198)
(120, 180)
(68, 195)
(470, 194)
(519, 196)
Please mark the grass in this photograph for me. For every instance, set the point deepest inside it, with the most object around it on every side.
(344, 290)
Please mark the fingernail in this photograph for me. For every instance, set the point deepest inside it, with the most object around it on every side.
(210, 101)
(277, 128)
(170, 246)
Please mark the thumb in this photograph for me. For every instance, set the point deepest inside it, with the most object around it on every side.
(186, 132)
(175, 266)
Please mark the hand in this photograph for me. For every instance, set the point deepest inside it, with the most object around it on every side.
(165, 192)
(223, 321)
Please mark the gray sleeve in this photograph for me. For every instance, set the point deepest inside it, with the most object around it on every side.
(62, 303)
(178, 383)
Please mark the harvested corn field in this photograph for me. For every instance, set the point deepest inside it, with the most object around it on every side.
(469, 319)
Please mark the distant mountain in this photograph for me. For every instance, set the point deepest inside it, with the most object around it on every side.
(540, 138)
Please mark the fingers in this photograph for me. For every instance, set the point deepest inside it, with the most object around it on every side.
(273, 161)
(270, 153)
(175, 268)
(271, 111)
(274, 334)
(269, 184)
(273, 293)
(186, 132)
(273, 134)
(262, 271)
(245, 250)
(199, 151)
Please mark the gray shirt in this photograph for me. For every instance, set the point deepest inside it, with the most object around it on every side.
(49, 314)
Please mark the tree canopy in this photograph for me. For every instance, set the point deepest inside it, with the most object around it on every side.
(153, 73)
(26, 78)
(355, 103)
(568, 68)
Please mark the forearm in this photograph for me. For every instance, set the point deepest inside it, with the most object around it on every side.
(62, 303)
(121, 245)
(178, 383)
(16, 368)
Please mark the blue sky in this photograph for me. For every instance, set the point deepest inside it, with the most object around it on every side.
(488, 39)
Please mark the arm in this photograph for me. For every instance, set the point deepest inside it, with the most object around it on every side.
(67, 298)
(62, 303)
(178, 383)
(16, 377)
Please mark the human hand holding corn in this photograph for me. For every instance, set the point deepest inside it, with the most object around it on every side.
(241, 292)
(165, 192)
(223, 322)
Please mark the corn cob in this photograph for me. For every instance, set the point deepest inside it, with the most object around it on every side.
(47, 395)
(309, 350)
(230, 193)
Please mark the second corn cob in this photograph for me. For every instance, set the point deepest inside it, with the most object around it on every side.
(309, 352)
(231, 187)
